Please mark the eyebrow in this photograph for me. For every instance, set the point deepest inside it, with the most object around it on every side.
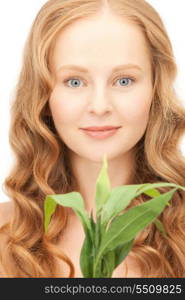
(84, 70)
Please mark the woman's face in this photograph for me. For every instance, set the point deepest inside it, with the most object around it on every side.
(108, 82)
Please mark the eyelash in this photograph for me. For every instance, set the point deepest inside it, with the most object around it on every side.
(120, 77)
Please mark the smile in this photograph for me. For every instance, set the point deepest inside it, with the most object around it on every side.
(100, 134)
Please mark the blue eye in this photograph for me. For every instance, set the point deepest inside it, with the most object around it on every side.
(125, 81)
(75, 81)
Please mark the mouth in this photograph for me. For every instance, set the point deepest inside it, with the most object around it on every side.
(100, 128)
(101, 134)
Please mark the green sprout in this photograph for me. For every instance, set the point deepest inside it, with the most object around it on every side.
(108, 241)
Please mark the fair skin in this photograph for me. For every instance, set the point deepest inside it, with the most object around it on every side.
(100, 97)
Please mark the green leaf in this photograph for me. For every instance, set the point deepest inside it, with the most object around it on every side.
(49, 209)
(160, 227)
(97, 237)
(73, 200)
(120, 197)
(125, 227)
(93, 225)
(108, 262)
(103, 187)
(98, 272)
(87, 257)
(152, 193)
(122, 251)
(88, 252)
(146, 187)
(111, 259)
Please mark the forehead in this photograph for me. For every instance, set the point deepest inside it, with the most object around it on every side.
(100, 41)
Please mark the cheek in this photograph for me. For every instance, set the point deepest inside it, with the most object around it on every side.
(63, 110)
(136, 108)
(137, 113)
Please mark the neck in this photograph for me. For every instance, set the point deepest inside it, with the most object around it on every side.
(120, 172)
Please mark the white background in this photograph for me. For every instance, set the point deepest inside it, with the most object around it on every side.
(16, 18)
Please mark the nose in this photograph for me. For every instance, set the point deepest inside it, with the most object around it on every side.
(100, 102)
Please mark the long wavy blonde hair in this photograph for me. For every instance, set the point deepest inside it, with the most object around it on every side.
(42, 166)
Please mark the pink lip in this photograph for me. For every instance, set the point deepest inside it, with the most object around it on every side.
(100, 134)
(96, 128)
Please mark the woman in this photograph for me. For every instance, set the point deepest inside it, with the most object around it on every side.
(120, 55)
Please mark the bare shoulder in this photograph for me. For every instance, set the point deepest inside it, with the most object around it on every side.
(6, 209)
